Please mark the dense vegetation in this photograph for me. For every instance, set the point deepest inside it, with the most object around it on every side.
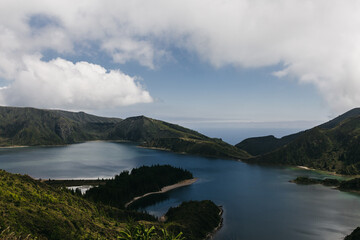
(261, 145)
(31, 209)
(192, 220)
(28, 206)
(352, 185)
(195, 219)
(74, 182)
(333, 146)
(125, 186)
(159, 134)
(355, 235)
(139, 231)
(30, 126)
(208, 147)
(309, 181)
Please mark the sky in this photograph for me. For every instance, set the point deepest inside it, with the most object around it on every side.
(199, 63)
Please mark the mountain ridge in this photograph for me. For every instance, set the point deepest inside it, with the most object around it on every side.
(270, 143)
(32, 127)
(333, 146)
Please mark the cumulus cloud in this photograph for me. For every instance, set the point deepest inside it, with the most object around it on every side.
(315, 41)
(63, 84)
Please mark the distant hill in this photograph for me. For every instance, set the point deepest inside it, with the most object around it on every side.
(333, 146)
(31, 127)
(261, 145)
(163, 135)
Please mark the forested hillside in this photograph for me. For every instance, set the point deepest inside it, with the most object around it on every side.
(31, 127)
(333, 146)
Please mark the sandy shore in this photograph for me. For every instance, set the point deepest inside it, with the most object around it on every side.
(306, 168)
(165, 189)
(14, 146)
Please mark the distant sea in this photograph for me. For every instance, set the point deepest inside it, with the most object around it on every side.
(236, 135)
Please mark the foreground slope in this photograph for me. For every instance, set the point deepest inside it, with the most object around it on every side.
(333, 146)
(29, 206)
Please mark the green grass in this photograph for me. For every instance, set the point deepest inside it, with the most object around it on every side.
(29, 206)
(31, 209)
(30, 127)
(332, 147)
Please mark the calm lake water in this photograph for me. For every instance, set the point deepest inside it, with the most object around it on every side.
(259, 202)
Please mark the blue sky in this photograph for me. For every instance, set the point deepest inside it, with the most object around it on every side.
(245, 63)
(190, 89)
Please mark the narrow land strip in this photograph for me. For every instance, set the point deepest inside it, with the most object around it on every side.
(164, 189)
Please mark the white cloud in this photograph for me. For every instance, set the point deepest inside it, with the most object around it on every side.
(317, 41)
(63, 84)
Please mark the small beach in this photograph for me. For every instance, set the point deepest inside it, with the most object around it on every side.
(165, 189)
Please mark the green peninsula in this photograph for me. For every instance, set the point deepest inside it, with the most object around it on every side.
(128, 185)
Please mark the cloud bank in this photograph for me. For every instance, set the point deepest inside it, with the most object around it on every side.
(62, 84)
(314, 41)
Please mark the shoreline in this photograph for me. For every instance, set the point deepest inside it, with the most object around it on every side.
(211, 234)
(306, 168)
(164, 189)
(324, 172)
(14, 146)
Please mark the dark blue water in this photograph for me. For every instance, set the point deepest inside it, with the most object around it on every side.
(259, 202)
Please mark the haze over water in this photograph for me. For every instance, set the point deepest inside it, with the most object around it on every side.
(259, 202)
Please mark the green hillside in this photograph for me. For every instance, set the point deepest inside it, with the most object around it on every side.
(260, 145)
(333, 146)
(28, 206)
(31, 127)
(158, 134)
(142, 129)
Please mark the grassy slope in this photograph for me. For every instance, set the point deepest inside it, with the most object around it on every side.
(159, 134)
(29, 126)
(262, 145)
(335, 149)
(30, 206)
